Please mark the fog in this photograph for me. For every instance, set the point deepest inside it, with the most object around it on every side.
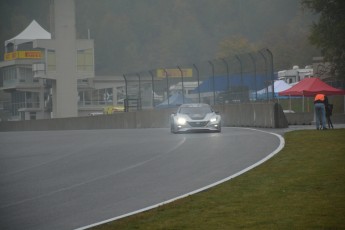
(140, 35)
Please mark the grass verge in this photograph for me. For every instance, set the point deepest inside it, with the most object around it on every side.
(302, 187)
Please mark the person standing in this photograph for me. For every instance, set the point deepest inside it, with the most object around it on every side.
(329, 110)
(320, 111)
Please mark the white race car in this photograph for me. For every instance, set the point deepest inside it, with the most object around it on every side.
(195, 117)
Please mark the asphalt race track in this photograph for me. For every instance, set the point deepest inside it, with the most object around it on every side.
(73, 179)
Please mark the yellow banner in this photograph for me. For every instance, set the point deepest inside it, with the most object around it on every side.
(174, 73)
(23, 55)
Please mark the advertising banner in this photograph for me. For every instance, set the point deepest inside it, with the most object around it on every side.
(23, 55)
(174, 73)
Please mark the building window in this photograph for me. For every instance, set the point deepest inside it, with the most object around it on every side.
(18, 101)
(51, 60)
(32, 115)
(21, 100)
(9, 76)
(25, 74)
(96, 97)
(85, 60)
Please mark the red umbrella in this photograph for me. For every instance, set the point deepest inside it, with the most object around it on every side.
(309, 87)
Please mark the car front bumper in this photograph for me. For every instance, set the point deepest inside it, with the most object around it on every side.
(198, 125)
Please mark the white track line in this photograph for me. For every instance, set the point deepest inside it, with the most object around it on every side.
(280, 147)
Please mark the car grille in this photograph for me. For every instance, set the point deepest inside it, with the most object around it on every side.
(197, 123)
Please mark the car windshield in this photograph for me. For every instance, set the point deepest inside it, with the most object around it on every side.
(195, 110)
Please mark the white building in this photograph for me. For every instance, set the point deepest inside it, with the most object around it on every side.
(42, 72)
(295, 74)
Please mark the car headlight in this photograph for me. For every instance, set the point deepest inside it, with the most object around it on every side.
(181, 121)
(213, 119)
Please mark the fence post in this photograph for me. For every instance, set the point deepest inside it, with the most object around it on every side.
(197, 75)
(254, 63)
(182, 83)
(126, 98)
(265, 59)
(227, 76)
(272, 71)
(214, 87)
(139, 92)
(166, 75)
(241, 69)
(153, 89)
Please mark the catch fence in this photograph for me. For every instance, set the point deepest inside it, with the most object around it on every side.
(236, 79)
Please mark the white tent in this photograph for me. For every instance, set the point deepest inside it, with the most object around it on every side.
(279, 86)
(32, 32)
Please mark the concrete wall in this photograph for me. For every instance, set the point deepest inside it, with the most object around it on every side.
(267, 115)
(308, 118)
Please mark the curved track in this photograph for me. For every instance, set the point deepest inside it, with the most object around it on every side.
(71, 179)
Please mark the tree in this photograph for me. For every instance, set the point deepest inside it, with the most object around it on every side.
(329, 32)
(289, 43)
(237, 44)
(138, 35)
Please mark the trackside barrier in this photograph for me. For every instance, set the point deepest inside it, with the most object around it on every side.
(308, 118)
(266, 115)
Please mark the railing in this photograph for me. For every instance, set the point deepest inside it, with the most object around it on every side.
(94, 103)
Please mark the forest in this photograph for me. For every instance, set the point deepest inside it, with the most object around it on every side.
(138, 35)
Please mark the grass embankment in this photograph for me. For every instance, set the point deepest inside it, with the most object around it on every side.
(302, 187)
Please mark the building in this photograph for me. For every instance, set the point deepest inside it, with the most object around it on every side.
(320, 69)
(24, 96)
(29, 76)
(28, 71)
(42, 72)
(295, 74)
(100, 92)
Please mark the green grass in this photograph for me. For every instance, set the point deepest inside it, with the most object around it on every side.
(302, 187)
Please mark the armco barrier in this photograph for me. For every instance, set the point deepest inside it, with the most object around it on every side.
(268, 115)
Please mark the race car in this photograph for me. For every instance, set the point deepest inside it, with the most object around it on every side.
(195, 117)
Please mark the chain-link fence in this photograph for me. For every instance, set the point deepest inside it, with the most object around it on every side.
(236, 79)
